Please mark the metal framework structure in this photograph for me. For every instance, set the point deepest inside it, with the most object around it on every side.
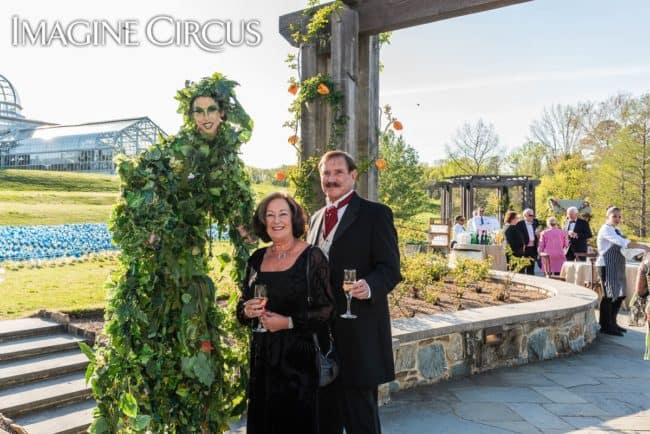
(89, 147)
(79, 148)
(351, 57)
(468, 184)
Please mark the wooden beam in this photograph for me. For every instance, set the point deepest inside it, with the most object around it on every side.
(376, 16)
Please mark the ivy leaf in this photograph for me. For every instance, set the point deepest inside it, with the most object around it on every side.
(89, 371)
(88, 352)
(186, 298)
(224, 259)
(203, 370)
(245, 136)
(141, 422)
(215, 191)
(99, 426)
(128, 405)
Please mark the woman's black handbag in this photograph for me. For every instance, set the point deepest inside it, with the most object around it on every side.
(328, 368)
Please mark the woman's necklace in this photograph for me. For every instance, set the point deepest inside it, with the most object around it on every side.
(281, 254)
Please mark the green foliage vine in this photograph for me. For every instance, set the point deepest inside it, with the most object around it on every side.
(175, 361)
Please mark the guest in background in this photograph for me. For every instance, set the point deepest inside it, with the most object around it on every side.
(478, 221)
(553, 241)
(611, 267)
(512, 235)
(529, 229)
(642, 291)
(578, 233)
(459, 228)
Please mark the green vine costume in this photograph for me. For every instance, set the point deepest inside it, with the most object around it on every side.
(175, 361)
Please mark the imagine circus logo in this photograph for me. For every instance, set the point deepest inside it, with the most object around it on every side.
(161, 31)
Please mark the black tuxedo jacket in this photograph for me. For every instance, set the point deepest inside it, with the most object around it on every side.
(582, 229)
(521, 226)
(365, 240)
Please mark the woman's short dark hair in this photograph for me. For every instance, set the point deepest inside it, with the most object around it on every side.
(298, 217)
(510, 216)
(459, 218)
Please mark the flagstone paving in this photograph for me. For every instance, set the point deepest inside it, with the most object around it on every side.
(605, 389)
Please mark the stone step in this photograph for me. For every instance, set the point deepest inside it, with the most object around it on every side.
(70, 419)
(35, 345)
(25, 327)
(28, 370)
(44, 394)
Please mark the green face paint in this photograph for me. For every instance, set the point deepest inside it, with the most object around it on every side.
(211, 109)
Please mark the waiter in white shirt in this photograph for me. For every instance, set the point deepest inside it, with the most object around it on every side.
(478, 222)
(611, 266)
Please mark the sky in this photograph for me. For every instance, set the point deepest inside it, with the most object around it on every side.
(503, 65)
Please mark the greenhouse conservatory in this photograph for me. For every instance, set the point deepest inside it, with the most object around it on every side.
(89, 147)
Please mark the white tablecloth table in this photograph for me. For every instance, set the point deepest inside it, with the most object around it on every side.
(579, 273)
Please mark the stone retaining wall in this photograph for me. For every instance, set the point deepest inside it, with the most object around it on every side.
(431, 348)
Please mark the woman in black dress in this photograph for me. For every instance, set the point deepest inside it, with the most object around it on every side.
(513, 237)
(283, 388)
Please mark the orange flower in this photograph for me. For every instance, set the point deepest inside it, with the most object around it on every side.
(322, 89)
(293, 89)
(381, 163)
(206, 346)
(280, 176)
(293, 139)
(397, 125)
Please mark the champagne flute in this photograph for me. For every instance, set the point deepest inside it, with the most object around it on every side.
(261, 294)
(349, 277)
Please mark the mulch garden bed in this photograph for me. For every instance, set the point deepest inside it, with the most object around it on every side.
(448, 299)
(409, 305)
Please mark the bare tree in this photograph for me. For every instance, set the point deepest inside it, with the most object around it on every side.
(560, 129)
(475, 148)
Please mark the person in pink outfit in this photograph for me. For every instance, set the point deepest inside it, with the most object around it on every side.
(553, 242)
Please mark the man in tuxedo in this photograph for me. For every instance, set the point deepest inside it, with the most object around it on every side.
(528, 230)
(578, 232)
(356, 234)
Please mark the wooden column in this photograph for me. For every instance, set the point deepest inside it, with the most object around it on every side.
(367, 113)
(344, 64)
(503, 199)
(444, 203)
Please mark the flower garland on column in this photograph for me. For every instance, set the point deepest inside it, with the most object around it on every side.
(320, 87)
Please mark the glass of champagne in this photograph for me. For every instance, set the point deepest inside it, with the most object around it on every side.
(349, 277)
(262, 295)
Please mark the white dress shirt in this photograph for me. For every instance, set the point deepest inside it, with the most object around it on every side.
(476, 223)
(531, 234)
(325, 243)
(458, 229)
(607, 237)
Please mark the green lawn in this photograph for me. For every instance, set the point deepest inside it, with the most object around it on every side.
(43, 180)
(68, 287)
(33, 197)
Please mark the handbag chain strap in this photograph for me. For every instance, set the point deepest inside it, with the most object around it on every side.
(309, 301)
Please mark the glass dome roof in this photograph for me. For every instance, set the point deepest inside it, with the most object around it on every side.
(9, 100)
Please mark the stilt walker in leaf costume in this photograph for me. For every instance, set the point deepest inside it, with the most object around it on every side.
(175, 362)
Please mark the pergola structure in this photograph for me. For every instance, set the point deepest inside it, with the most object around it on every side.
(468, 184)
(351, 58)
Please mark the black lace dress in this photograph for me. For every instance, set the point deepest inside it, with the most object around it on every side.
(283, 388)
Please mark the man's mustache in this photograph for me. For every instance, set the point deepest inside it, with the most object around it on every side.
(332, 184)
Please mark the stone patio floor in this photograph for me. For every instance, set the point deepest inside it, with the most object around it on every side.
(604, 389)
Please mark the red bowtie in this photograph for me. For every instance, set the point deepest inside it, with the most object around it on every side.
(332, 215)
